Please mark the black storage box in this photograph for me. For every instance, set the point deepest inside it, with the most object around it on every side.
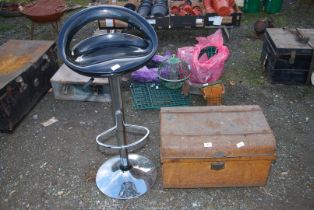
(171, 21)
(25, 70)
(285, 57)
(186, 22)
(156, 22)
(214, 20)
(159, 22)
(232, 20)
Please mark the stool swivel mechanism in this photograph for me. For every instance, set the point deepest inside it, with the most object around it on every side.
(111, 55)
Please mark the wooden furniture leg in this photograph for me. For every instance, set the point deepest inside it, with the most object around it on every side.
(32, 31)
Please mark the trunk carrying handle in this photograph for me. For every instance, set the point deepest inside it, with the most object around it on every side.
(217, 166)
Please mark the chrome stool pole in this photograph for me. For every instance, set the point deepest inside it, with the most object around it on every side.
(118, 114)
(124, 176)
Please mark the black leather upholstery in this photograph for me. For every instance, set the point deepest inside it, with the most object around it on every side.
(108, 54)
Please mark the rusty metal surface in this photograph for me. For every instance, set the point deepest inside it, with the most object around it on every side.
(16, 56)
(44, 10)
(215, 132)
(27, 70)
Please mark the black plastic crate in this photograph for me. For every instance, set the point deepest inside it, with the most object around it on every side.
(156, 22)
(213, 19)
(111, 24)
(186, 21)
(285, 76)
(285, 59)
(233, 20)
(159, 22)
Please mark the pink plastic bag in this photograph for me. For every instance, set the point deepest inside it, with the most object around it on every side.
(185, 54)
(204, 69)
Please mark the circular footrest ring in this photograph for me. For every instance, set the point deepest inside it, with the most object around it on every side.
(129, 128)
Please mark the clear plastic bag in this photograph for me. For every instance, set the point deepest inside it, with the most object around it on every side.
(204, 69)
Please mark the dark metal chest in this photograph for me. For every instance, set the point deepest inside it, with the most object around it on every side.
(25, 70)
(286, 56)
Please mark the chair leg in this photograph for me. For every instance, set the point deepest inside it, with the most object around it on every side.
(32, 30)
(55, 28)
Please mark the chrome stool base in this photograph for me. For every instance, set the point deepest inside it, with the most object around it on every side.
(117, 183)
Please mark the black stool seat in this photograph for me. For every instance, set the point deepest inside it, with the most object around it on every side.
(109, 54)
(114, 53)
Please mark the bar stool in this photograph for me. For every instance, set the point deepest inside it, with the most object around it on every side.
(111, 55)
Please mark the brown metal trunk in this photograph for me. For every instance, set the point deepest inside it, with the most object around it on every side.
(216, 146)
